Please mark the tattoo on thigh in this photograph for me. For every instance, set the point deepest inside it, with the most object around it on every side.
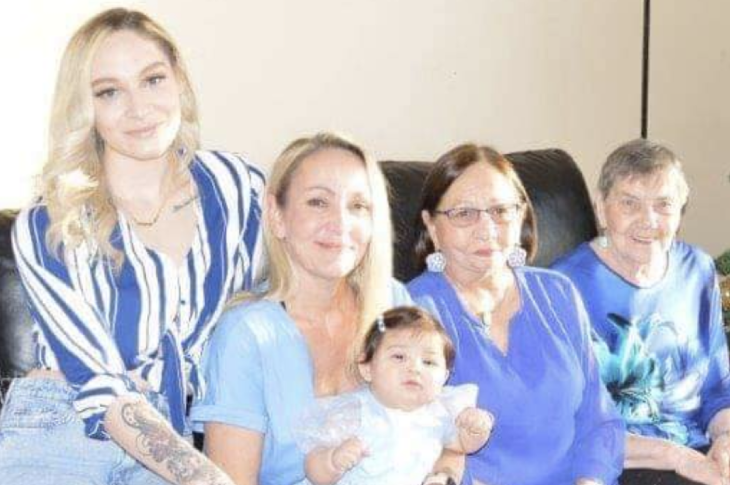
(158, 440)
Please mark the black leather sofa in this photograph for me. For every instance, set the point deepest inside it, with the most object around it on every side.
(553, 181)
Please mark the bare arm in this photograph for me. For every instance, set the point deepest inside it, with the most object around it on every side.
(659, 454)
(237, 451)
(142, 432)
(720, 424)
(647, 452)
(719, 431)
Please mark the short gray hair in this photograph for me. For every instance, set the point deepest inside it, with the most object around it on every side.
(641, 157)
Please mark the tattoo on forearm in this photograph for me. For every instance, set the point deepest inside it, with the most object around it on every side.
(157, 440)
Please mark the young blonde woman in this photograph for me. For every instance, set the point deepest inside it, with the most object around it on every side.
(127, 258)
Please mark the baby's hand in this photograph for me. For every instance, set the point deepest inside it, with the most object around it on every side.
(348, 454)
(474, 427)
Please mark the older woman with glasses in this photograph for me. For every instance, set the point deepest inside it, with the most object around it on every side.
(655, 305)
(520, 333)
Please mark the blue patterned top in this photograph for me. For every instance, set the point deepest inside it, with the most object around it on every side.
(97, 325)
(662, 349)
(554, 420)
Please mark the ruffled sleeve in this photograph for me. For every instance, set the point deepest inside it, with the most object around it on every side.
(329, 422)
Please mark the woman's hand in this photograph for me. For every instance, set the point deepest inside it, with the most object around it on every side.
(474, 426)
(720, 454)
(697, 467)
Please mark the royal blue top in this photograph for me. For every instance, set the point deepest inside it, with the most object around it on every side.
(554, 420)
(260, 376)
(97, 325)
(661, 349)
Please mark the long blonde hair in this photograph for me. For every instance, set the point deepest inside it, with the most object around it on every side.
(370, 280)
(72, 185)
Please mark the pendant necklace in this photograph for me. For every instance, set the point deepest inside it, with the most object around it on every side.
(175, 208)
(485, 316)
(487, 306)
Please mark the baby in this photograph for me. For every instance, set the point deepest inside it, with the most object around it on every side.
(393, 430)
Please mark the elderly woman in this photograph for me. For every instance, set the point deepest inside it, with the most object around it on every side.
(128, 257)
(655, 307)
(521, 334)
(327, 231)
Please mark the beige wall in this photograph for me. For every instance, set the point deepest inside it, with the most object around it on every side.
(407, 78)
(690, 107)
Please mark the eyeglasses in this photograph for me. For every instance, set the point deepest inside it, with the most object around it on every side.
(665, 206)
(498, 213)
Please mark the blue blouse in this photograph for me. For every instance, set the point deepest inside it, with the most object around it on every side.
(554, 421)
(151, 317)
(662, 349)
(260, 377)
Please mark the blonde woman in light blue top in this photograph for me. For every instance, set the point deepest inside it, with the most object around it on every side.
(327, 232)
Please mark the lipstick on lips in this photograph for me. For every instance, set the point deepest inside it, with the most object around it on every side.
(143, 132)
(335, 246)
(486, 251)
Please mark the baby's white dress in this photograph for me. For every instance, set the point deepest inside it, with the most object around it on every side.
(403, 445)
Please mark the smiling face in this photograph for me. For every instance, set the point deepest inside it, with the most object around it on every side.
(408, 369)
(325, 224)
(641, 216)
(136, 97)
(483, 246)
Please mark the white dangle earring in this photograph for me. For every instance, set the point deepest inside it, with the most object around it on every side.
(517, 256)
(436, 262)
(602, 239)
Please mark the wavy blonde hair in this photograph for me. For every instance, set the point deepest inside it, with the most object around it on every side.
(371, 278)
(72, 184)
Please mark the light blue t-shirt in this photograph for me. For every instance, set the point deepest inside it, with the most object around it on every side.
(260, 376)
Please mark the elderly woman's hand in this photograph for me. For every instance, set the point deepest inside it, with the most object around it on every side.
(720, 454)
(697, 467)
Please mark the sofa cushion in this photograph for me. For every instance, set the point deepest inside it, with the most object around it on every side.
(16, 349)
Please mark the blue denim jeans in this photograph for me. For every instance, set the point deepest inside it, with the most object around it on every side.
(42, 441)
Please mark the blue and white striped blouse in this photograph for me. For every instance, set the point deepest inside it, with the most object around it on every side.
(152, 317)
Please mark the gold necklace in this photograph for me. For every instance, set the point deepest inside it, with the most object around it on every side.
(163, 203)
(152, 221)
(157, 215)
(175, 208)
